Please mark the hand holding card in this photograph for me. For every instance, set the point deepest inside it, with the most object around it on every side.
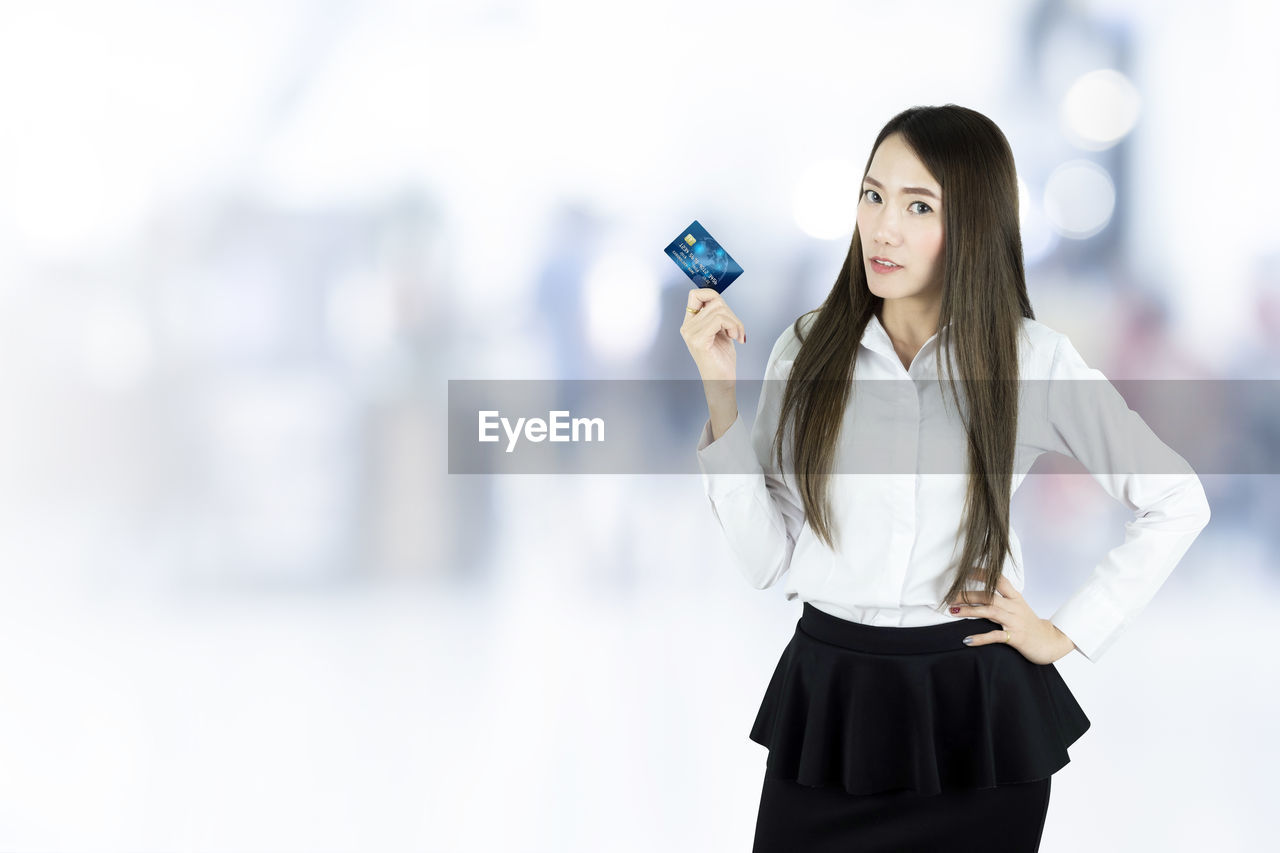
(709, 330)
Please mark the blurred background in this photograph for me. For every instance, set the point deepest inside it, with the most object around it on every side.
(243, 247)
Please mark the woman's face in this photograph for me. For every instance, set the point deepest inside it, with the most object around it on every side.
(900, 220)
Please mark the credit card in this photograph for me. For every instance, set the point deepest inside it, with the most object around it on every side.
(702, 258)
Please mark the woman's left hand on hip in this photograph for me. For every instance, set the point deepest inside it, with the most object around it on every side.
(1039, 640)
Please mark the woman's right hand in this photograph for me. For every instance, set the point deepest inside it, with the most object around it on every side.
(710, 332)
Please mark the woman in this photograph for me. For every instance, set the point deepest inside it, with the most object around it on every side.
(917, 707)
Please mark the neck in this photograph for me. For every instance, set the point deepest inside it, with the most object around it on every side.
(909, 324)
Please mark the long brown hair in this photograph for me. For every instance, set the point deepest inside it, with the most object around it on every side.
(984, 297)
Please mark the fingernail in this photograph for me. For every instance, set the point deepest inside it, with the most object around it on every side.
(968, 641)
(955, 610)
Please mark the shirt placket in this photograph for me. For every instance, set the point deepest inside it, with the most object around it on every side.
(902, 497)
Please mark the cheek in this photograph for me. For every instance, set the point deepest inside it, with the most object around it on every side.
(931, 243)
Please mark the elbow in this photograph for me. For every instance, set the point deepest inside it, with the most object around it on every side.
(765, 573)
(1203, 518)
(763, 564)
(1187, 506)
(769, 578)
(1202, 511)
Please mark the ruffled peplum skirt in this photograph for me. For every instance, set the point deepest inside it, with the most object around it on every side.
(887, 738)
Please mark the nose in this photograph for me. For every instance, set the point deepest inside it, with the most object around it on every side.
(885, 227)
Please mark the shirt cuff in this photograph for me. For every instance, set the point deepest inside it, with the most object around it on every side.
(1090, 621)
(729, 463)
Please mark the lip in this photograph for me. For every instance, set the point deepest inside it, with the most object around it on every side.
(881, 268)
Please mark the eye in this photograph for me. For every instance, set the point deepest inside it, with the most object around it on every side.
(927, 208)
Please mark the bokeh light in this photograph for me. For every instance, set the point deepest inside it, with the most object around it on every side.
(1099, 109)
(824, 202)
(622, 306)
(1079, 197)
(1038, 237)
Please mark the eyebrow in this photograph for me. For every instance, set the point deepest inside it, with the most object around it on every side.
(909, 190)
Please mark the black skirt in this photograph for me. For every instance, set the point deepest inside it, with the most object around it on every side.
(887, 736)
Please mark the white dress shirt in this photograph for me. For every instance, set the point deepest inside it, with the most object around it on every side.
(903, 529)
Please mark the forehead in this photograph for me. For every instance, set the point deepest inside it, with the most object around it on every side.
(895, 165)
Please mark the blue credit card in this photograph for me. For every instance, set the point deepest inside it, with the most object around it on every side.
(702, 259)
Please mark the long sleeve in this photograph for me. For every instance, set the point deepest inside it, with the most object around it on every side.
(761, 516)
(1091, 422)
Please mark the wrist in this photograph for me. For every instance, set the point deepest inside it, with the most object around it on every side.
(720, 390)
(1065, 644)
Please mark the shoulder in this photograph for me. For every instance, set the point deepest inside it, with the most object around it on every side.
(1048, 353)
(1038, 347)
(1039, 337)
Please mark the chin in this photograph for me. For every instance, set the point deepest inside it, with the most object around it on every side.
(890, 291)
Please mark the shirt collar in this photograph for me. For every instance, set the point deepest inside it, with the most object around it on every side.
(876, 338)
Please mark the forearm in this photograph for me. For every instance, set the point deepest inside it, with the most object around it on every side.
(722, 404)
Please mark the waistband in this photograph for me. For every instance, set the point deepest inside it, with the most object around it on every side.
(889, 639)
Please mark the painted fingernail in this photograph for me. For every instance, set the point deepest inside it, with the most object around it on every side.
(968, 641)
(955, 610)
